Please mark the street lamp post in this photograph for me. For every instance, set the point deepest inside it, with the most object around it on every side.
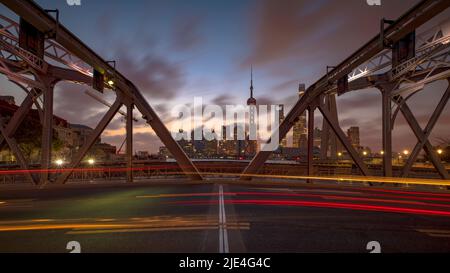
(59, 163)
(91, 163)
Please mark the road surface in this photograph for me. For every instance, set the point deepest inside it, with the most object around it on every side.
(221, 217)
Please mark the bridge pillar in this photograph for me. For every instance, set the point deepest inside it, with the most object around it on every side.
(129, 129)
(47, 130)
(325, 137)
(329, 142)
(311, 110)
(386, 91)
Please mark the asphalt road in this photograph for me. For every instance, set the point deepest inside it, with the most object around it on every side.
(224, 218)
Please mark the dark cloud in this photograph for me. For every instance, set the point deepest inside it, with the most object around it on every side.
(161, 109)
(223, 100)
(348, 122)
(287, 86)
(117, 123)
(266, 100)
(359, 101)
(147, 142)
(298, 28)
(136, 55)
(155, 76)
(105, 23)
(186, 33)
(72, 104)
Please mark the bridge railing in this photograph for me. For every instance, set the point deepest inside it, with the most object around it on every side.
(152, 170)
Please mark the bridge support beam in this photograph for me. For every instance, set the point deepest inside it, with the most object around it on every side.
(165, 136)
(37, 93)
(18, 116)
(129, 129)
(12, 143)
(324, 141)
(311, 111)
(386, 91)
(344, 140)
(47, 132)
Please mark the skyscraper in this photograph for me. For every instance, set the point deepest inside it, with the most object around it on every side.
(300, 134)
(281, 119)
(353, 136)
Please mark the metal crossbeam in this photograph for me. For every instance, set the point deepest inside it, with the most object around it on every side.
(328, 116)
(423, 135)
(17, 153)
(91, 141)
(18, 117)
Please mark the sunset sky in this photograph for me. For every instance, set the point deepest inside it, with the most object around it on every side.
(176, 50)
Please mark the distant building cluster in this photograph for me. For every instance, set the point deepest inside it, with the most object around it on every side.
(247, 148)
(225, 148)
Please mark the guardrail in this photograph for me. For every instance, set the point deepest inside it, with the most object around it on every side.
(144, 170)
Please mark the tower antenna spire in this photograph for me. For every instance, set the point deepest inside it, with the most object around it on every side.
(251, 81)
(251, 100)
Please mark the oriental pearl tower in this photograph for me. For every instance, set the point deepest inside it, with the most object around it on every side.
(252, 136)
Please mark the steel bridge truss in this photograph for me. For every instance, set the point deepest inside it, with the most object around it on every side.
(66, 58)
(372, 66)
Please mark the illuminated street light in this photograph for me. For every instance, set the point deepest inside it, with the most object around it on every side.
(440, 152)
(382, 152)
(365, 153)
(340, 154)
(406, 152)
(91, 161)
(59, 162)
(110, 82)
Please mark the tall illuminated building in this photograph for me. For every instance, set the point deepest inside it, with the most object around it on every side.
(353, 136)
(283, 142)
(251, 138)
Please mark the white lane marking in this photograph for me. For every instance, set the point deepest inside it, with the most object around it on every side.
(223, 233)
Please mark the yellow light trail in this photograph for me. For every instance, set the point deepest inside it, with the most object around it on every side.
(360, 179)
(177, 195)
(237, 226)
(81, 228)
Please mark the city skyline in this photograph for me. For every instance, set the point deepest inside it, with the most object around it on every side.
(189, 53)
